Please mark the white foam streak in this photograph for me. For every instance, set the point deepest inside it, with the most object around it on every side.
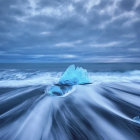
(22, 79)
(85, 112)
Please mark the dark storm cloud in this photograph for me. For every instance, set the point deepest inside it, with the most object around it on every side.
(127, 4)
(69, 30)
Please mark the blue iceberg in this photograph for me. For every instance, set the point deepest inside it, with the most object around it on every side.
(72, 76)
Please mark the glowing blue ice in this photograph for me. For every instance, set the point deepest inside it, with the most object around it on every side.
(55, 90)
(137, 119)
(74, 76)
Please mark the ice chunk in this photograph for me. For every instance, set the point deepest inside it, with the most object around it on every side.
(55, 90)
(74, 76)
(137, 119)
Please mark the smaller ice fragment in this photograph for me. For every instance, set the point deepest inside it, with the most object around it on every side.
(137, 119)
(55, 90)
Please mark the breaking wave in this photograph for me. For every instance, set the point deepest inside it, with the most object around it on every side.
(14, 78)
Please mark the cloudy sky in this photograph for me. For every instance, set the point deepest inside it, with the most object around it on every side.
(69, 30)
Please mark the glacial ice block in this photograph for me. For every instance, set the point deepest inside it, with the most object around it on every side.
(137, 119)
(74, 76)
(55, 90)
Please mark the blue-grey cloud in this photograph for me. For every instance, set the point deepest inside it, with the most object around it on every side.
(74, 30)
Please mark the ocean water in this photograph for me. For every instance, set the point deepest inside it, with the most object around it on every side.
(107, 109)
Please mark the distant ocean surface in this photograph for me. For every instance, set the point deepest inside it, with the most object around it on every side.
(58, 67)
(107, 109)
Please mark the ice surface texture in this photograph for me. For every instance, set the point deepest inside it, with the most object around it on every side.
(72, 76)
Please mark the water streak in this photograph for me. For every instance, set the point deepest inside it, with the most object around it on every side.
(98, 111)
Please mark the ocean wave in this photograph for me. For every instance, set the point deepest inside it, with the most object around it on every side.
(21, 79)
(15, 78)
(129, 76)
